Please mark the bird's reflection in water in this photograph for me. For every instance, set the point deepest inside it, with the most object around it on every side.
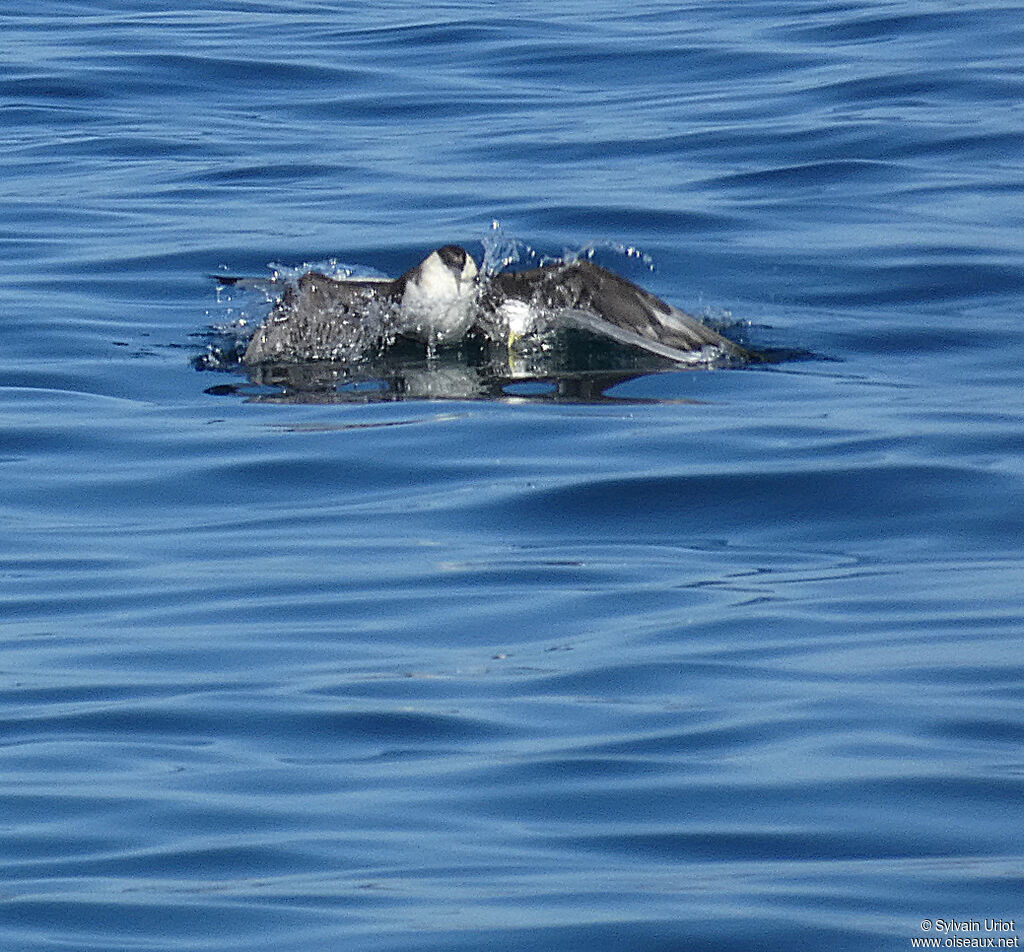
(571, 367)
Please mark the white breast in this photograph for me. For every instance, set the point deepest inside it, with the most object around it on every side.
(438, 304)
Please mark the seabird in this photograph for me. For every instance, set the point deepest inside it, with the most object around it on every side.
(444, 298)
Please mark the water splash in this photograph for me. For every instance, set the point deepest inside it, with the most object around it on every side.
(502, 250)
(591, 248)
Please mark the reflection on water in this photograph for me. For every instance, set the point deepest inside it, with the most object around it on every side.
(455, 374)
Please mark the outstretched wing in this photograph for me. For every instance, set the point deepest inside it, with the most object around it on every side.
(602, 302)
(318, 318)
(242, 281)
(585, 320)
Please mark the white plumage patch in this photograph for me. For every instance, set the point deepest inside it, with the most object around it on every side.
(439, 299)
(518, 315)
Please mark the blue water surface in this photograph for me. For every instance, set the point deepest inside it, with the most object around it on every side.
(731, 661)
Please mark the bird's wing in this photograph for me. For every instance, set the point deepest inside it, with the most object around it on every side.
(317, 318)
(321, 291)
(312, 282)
(604, 303)
(242, 281)
(598, 325)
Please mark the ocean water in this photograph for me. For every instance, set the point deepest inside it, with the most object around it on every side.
(716, 660)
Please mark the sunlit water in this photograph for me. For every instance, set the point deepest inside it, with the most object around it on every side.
(729, 660)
